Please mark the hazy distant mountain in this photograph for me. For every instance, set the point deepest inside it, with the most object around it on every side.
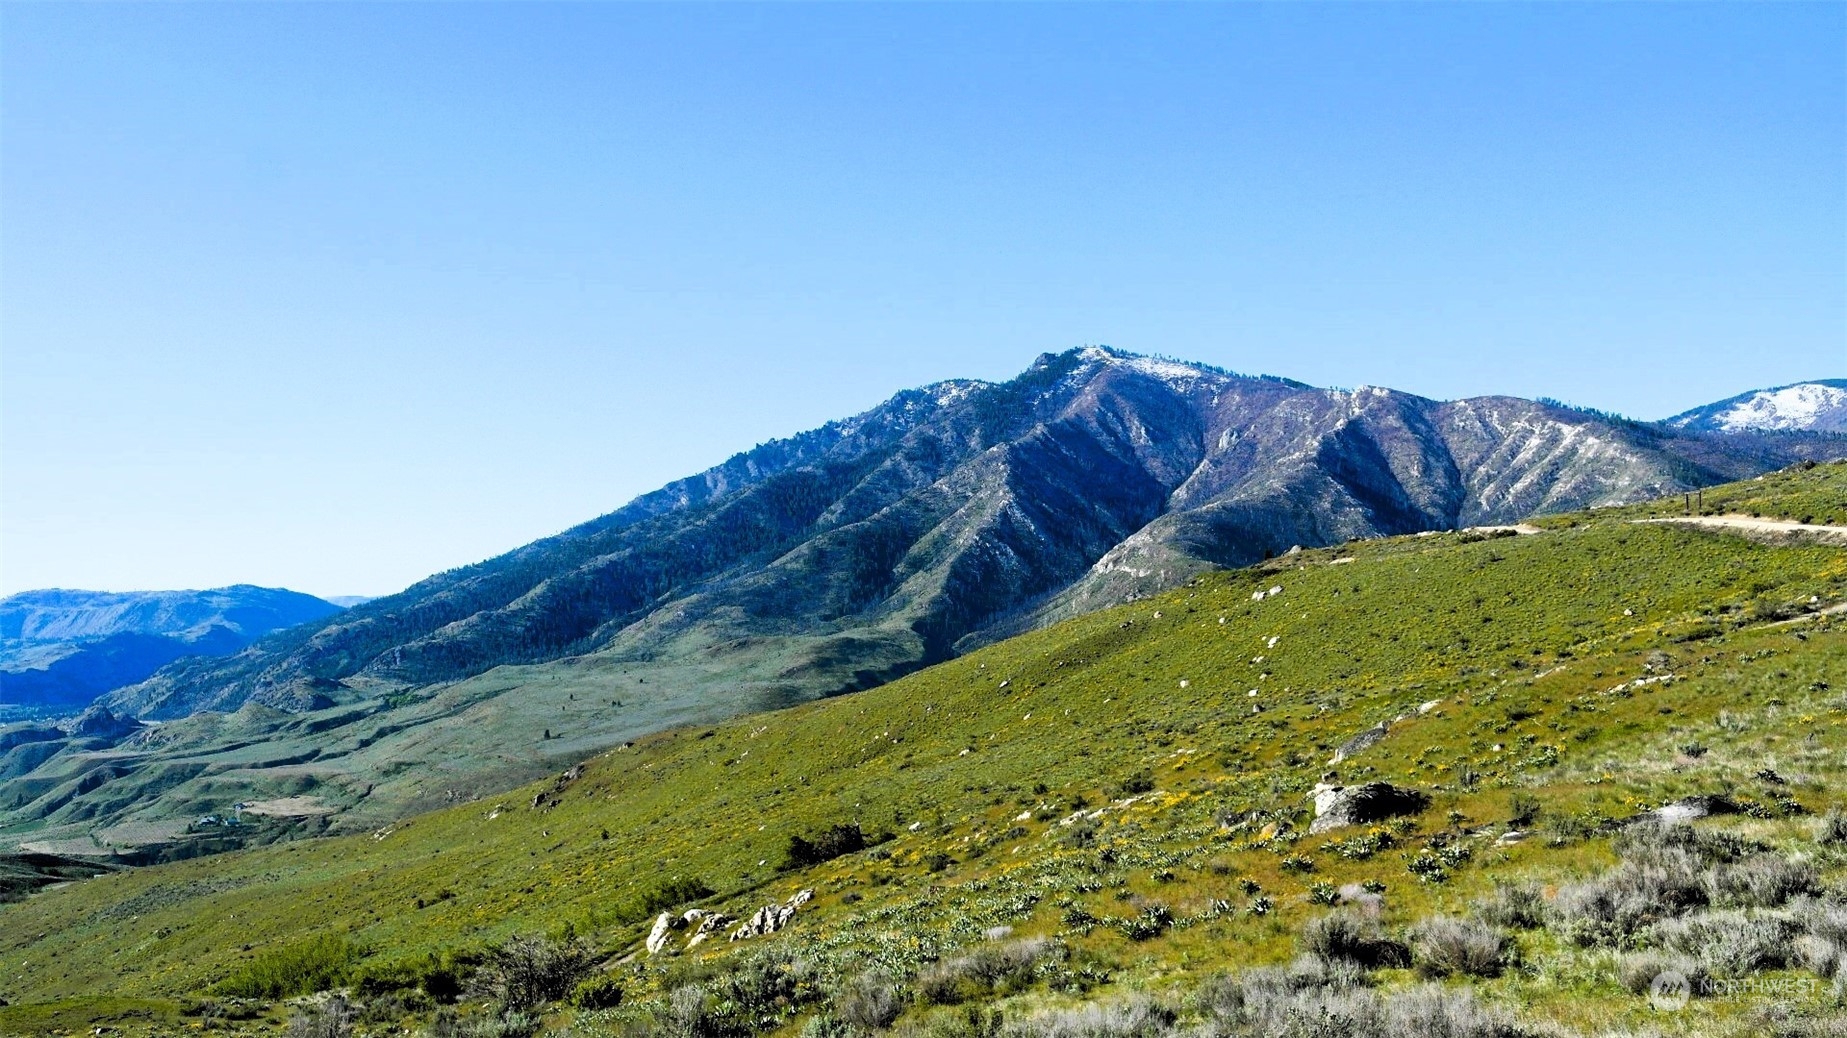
(60, 649)
(1819, 406)
(349, 601)
(962, 509)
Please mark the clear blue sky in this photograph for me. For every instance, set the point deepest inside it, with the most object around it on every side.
(335, 296)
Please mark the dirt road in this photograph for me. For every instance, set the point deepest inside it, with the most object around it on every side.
(1762, 527)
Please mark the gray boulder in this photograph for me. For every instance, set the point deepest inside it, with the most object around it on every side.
(657, 938)
(1358, 743)
(1337, 806)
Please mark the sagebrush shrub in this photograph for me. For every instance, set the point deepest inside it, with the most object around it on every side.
(1444, 946)
(1517, 906)
(529, 971)
(1615, 908)
(1730, 943)
(1761, 881)
(1352, 937)
(1651, 841)
(869, 1002)
(1288, 1003)
(1824, 919)
(1831, 828)
(1224, 995)
(1818, 955)
(1432, 1012)
(1135, 1018)
(330, 1019)
(1637, 972)
(997, 968)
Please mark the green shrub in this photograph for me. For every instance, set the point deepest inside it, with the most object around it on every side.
(826, 845)
(672, 893)
(1150, 923)
(303, 968)
(1139, 782)
(440, 976)
(600, 992)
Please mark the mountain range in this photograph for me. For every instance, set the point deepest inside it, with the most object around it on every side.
(952, 512)
(946, 518)
(60, 649)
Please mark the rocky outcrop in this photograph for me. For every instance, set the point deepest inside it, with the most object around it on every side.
(98, 723)
(1688, 809)
(706, 924)
(771, 918)
(1338, 806)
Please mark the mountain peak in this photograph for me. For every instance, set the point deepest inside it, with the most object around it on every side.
(1817, 406)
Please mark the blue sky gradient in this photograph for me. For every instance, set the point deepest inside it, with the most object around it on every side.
(335, 296)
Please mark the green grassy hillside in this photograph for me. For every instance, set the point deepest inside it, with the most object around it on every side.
(1131, 786)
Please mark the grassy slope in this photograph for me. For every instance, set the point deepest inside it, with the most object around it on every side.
(1548, 624)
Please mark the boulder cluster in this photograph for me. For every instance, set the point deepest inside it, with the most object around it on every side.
(704, 923)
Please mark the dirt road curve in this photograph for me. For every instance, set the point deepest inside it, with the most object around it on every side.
(1772, 527)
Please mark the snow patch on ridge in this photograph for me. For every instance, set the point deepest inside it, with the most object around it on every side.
(1806, 405)
(1175, 374)
(952, 390)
